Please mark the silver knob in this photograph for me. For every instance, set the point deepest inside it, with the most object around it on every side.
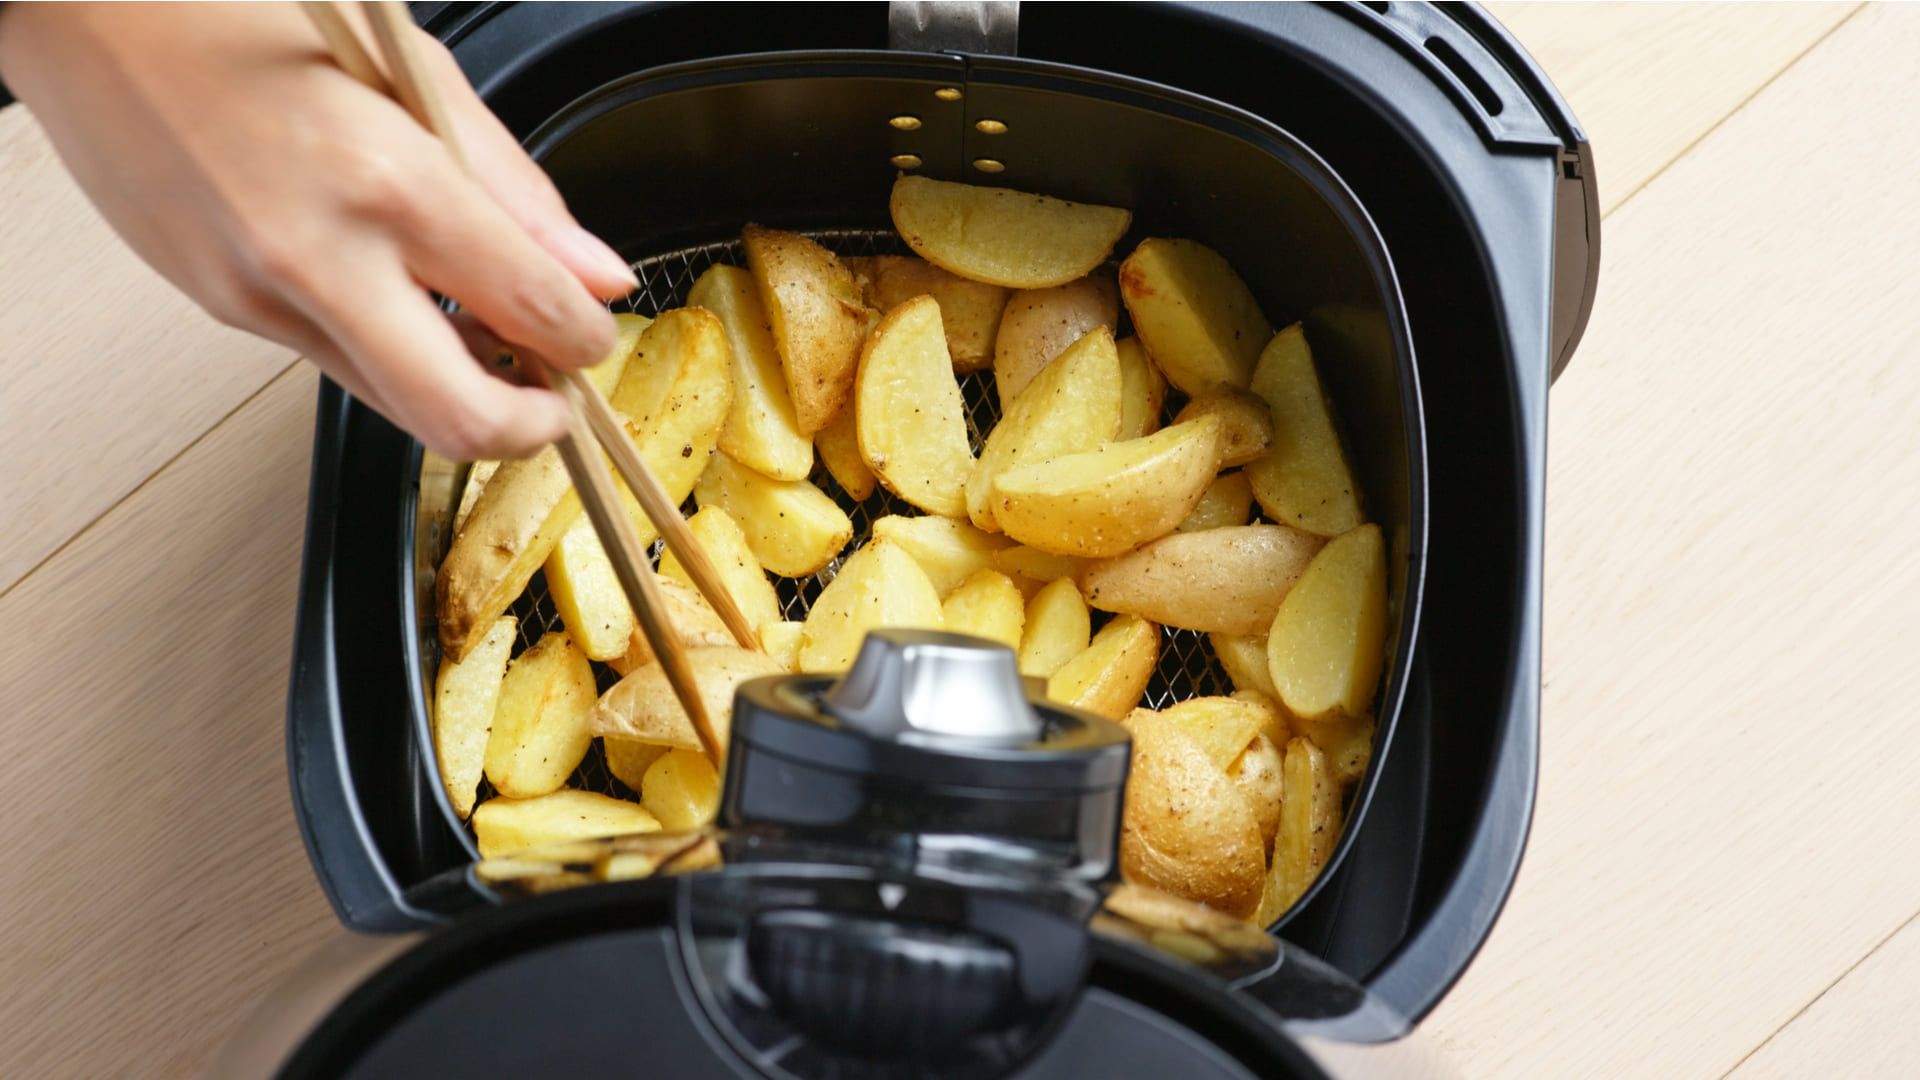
(924, 685)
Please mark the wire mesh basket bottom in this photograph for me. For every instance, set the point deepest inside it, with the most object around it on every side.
(1187, 665)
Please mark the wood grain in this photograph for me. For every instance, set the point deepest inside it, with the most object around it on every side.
(78, 311)
(1862, 1025)
(1731, 773)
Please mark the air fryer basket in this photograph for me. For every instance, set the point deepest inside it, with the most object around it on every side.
(669, 164)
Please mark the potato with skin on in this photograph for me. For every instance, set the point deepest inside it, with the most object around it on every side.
(1187, 827)
(838, 445)
(986, 605)
(540, 725)
(1198, 320)
(1072, 405)
(693, 620)
(1222, 726)
(727, 549)
(1326, 646)
(781, 641)
(761, 430)
(1244, 657)
(1310, 821)
(1031, 566)
(1040, 324)
(970, 311)
(643, 706)
(792, 527)
(1227, 501)
(908, 412)
(629, 759)
(1246, 428)
(1111, 673)
(1258, 773)
(1346, 741)
(1104, 502)
(878, 586)
(1057, 627)
(523, 511)
(1275, 724)
(1230, 580)
(477, 478)
(1143, 390)
(1001, 236)
(1305, 479)
(949, 551)
(817, 317)
(465, 695)
(503, 826)
(681, 789)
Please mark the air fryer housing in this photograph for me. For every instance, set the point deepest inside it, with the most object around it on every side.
(1481, 185)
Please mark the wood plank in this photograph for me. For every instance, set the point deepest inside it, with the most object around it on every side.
(154, 878)
(1646, 80)
(1862, 1026)
(1730, 777)
(110, 371)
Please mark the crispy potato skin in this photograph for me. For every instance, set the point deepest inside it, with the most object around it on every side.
(1111, 500)
(1196, 317)
(1246, 427)
(1188, 828)
(969, 310)
(817, 316)
(643, 706)
(1039, 324)
(1310, 822)
(521, 514)
(1229, 580)
(1001, 236)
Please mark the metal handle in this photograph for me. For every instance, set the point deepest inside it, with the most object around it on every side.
(989, 27)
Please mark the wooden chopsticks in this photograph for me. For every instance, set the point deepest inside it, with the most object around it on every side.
(593, 422)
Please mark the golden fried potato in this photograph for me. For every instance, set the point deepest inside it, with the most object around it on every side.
(761, 431)
(817, 316)
(1103, 502)
(477, 477)
(969, 310)
(1229, 579)
(1187, 827)
(1227, 501)
(681, 789)
(1325, 649)
(1310, 823)
(726, 546)
(540, 725)
(1071, 406)
(1033, 567)
(839, 446)
(949, 551)
(1001, 236)
(1275, 724)
(1305, 480)
(781, 641)
(987, 605)
(1142, 390)
(792, 527)
(1244, 656)
(1257, 772)
(694, 622)
(908, 413)
(1040, 323)
(643, 706)
(1347, 742)
(1111, 673)
(1057, 627)
(629, 759)
(678, 433)
(878, 586)
(522, 513)
(465, 695)
(587, 594)
(1246, 429)
(1197, 319)
(504, 826)
(1221, 726)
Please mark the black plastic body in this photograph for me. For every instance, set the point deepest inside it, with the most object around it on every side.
(1473, 209)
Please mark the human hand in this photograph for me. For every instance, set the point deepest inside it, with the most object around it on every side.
(294, 202)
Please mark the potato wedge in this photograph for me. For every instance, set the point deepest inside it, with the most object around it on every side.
(817, 317)
(677, 438)
(606, 375)
(587, 593)
(792, 527)
(879, 585)
(1257, 772)
(761, 431)
(693, 621)
(987, 605)
(949, 551)
(1246, 428)
(970, 311)
(1188, 828)
(1073, 405)
(643, 706)
(477, 477)
(505, 826)
(1033, 566)
(839, 447)
(681, 789)
(1305, 479)
(1325, 649)
(465, 695)
(781, 641)
(726, 546)
(908, 413)
(629, 759)
(1142, 390)
(1230, 580)
(1039, 324)
(540, 725)
(1227, 501)
(1222, 726)
(522, 513)
(1347, 742)
(1001, 236)
(1198, 320)
(1057, 627)
(1310, 821)
(1244, 656)
(1112, 672)
(1103, 502)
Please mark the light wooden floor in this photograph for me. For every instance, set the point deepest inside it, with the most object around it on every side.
(1725, 867)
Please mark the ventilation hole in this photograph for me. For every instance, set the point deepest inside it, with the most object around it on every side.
(1463, 71)
(947, 93)
(989, 165)
(905, 123)
(906, 161)
(990, 127)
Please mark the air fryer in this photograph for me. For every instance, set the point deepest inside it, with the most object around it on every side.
(1399, 176)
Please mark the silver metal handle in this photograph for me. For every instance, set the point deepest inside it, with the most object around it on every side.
(989, 27)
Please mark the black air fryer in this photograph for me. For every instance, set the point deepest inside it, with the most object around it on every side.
(1399, 177)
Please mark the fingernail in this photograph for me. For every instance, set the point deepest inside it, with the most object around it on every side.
(593, 252)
